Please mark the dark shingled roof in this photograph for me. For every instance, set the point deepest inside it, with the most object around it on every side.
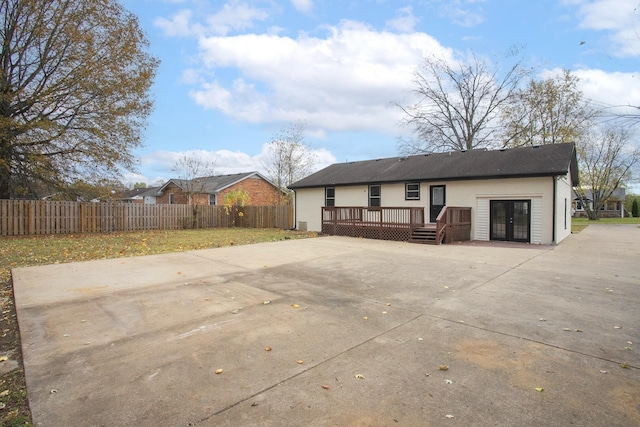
(213, 184)
(543, 160)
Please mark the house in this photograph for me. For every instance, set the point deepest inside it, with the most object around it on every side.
(211, 190)
(146, 195)
(518, 194)
(613, 207)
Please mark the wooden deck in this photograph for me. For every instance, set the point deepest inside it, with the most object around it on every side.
(397, 223)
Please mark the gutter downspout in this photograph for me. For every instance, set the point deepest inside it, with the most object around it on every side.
(295, 210)
(555, 202)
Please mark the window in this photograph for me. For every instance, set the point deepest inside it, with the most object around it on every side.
(374, 195)
(330, 196)
(212, 199)
(171, 198)
(579, 206)
(412, 191)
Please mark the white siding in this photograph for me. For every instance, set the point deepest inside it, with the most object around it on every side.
(475, 194)
(482, 218)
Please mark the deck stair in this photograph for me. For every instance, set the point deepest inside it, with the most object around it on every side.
(424, 234)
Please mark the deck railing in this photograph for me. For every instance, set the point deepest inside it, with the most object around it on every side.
(395, 223)
(385, 223)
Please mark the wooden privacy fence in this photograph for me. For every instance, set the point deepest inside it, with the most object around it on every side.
(29, 217)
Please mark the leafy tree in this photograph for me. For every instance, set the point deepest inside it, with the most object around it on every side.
(288, 157)
(238, 198)
(140, 185)
(457, 104)
(607, 160)
(74, 92)
(550, 111)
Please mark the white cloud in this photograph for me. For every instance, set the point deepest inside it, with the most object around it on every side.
(178, 25)
(621, 18)
(233, 16)
(346, 80)
(462, 13)
(304, 6)
(160, 164)
(606, 89)
(405, 22)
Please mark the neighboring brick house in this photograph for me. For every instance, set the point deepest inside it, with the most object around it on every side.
(212, 190)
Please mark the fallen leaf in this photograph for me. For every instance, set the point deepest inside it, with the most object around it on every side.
(4, 393)
(53, 391)
(602, 371)
(449, 416)
(625, 365)
(448, 382)
(365, 318)
(326, 387)
(443, 367)
(219, 371)
(295, 306)
(384, 312)
(566, 329)
(267, 348)
(300, 362)
(265, 302)
(4, 358)
(578, 330)
(539, 389)
(388, 305)
(542, 319)
(359, 376)
(617, 327)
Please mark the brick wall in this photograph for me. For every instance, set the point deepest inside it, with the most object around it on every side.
(261, 193)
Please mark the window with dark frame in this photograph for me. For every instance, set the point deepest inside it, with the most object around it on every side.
(212, 199)
(412, 191)
(330, 196)
(374, 195)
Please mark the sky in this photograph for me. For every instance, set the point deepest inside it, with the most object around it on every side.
(234, 73)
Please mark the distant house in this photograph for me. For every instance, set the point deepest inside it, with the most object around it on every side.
(146, 195)
(211, 190)
(519, 194)
(613, 207)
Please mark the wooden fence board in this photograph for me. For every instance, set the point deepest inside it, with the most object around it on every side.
(33, 217)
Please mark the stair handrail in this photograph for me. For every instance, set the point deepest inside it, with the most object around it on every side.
(441, 225)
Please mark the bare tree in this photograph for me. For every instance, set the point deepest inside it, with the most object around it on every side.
(288, 157)
(192, 171)
(74, 92)
(550, 111)
(457, 104)
(607, 160)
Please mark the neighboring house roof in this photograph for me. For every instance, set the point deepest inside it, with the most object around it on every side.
(542, 160)
(137, 193)
(618, 194)
(212, 184)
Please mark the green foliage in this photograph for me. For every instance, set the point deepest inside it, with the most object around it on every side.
(236, 198)
(635, 209)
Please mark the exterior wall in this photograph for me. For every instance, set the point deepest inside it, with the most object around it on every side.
(476, 194)
(308, 203)
(564, 202)
(261, 192)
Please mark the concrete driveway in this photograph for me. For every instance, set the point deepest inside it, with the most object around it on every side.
(357, 330)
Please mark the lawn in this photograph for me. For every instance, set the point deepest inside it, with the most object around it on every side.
(42, 250)
(579, 224)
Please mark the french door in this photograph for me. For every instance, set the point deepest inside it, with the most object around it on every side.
(511, 220)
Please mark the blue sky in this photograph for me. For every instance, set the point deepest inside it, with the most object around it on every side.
(234, 73)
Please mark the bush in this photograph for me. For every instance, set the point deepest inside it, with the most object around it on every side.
(635, 210)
